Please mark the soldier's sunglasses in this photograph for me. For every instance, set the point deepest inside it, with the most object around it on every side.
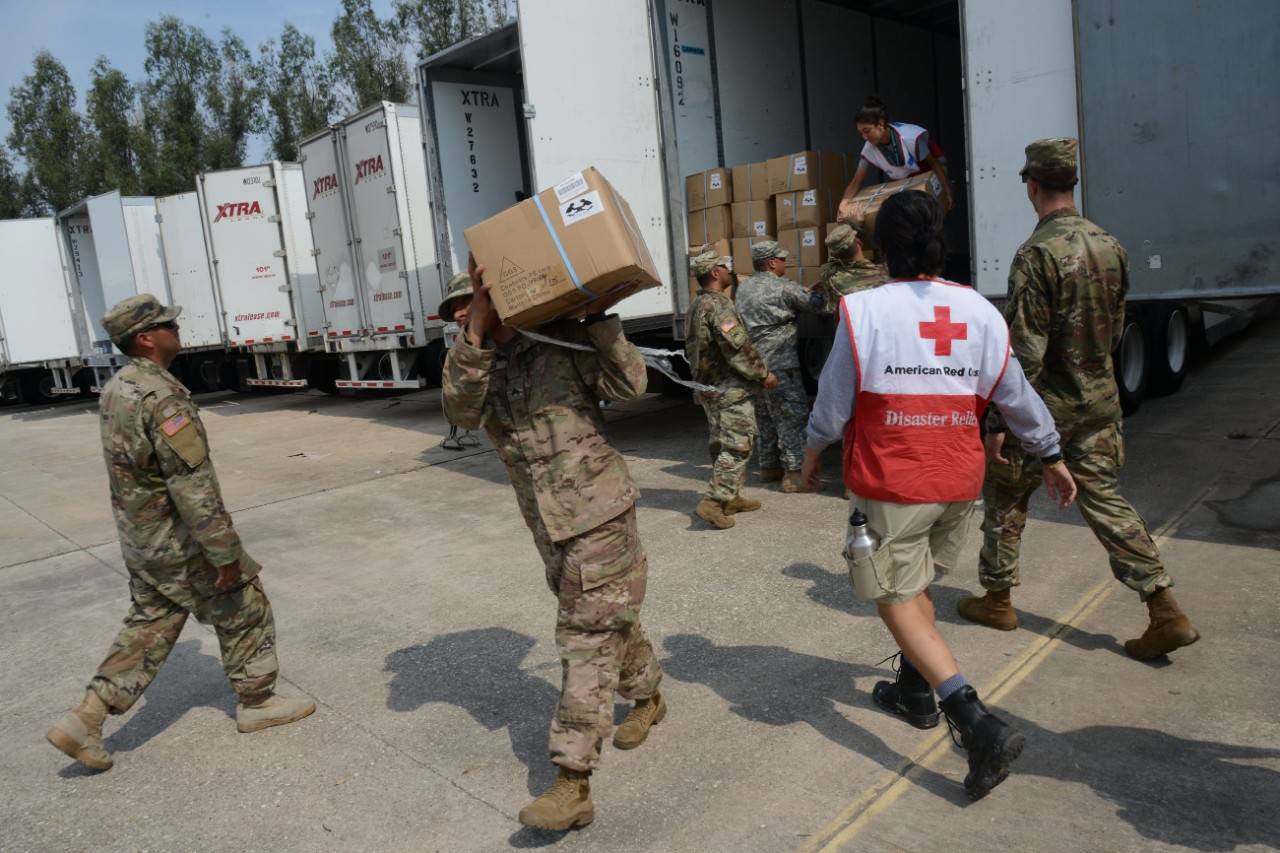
(171, 325)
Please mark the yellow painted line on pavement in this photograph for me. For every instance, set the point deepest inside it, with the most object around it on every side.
(854, 817)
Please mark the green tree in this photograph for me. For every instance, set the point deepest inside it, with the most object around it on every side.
(181, 62)
(437, 24)
(234, 103)
(110, 160)
(297, 88)
(368, 55)
(48, 133)
(15, 191)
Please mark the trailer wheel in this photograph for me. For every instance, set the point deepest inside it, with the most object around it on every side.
(1171, 337)
(432, 361)
(208, 373)
(37, 387)
(1130, 359)
(322, 373)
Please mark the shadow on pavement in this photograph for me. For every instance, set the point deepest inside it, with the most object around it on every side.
(479, 671)
(1202, 797)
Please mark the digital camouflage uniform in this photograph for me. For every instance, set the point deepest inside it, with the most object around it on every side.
(173, 530)
(845, 273)
(539, 404)
(720, 353)
(1065, 309)
(769, 305)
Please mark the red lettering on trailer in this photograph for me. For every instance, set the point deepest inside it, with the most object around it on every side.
(387, 297)
(262, 315)
(325, 184)
(341, 303)
(369, 168)
(238, 209)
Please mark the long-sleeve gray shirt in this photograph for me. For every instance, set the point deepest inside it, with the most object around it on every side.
(1025, 413)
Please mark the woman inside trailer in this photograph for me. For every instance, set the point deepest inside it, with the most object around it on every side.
(899, 150)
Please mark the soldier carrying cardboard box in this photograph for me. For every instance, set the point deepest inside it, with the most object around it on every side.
(897, 149)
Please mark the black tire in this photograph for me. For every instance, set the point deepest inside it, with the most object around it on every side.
(1171, 340)
(432, 363)
(1130, 359)
(322, 374)
(37, 387)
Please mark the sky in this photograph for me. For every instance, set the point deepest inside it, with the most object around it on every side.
(78, 31)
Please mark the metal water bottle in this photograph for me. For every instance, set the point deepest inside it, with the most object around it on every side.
(859, 543)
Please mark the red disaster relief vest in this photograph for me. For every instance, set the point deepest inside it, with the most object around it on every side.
(928, 356)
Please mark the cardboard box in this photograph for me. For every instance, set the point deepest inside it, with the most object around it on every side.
(806, 277)
(708, 189)
(751, 182)
(754, 218)
(547, 256)
(806, 208)
(868, 202)
(742, 253)
(710, 224)
(807, 170)
(807, 246)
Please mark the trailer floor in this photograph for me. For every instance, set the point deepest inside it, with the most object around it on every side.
(411, 604)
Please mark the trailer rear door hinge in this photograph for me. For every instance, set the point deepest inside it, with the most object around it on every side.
(396, 231)
(269, 184)
(291, 322)
(284, 288)
(311, 214)
(275, 217)
(403, 274)
(315, 253)
(279, 253)
(159, 218)
(529, 111)
(391, 188)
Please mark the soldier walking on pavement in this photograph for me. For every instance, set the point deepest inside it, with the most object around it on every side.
(768, 302)
(847, 269)
(181, 550)
(720, 353)
(1067, 287)
(540, 405)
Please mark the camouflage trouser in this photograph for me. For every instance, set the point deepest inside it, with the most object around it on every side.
(781, 419)
(599, 579)
(241, 618)
(1094, 459)
(732, 427)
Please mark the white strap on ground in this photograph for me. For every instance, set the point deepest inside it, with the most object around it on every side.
(658, 359)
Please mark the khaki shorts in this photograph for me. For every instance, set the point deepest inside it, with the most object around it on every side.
(915, 541)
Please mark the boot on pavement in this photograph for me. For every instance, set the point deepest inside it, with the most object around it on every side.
(992, 745)
(908, 696)
(79, 733)
(645, 715)
(770, 475)
(1169, 629)
(793, 484)
(275, 710)
(741, 504)
(564, 805)
(995, 610)
(713, 512)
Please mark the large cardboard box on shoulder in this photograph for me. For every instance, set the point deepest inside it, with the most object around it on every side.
(549, 255)
(710, 224)
(867, 203)
(751, 182)
(754, 218)
(808, 246)
(721, 247)
(806, 208)
(807, 170)
(742, 264)
(708, 189)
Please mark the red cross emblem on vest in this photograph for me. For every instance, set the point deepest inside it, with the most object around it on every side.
(942, 331)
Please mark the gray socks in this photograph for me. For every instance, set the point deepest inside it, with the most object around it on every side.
(951, 685)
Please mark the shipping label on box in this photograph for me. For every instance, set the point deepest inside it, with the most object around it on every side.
(708, 189)
(550, 255)
(754, 218)
(806, 208)
(710, 225)
(751, 182)
(807, 170)
(807, 246)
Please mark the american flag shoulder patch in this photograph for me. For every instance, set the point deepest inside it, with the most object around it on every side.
(174, 424)
(727, 325)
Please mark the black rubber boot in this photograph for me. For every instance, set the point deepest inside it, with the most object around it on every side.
(908, 696)
(992, 745)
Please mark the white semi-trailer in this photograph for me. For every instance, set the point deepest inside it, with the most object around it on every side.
(1168, 98)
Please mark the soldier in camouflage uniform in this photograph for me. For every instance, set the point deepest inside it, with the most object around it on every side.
(847, 269)
(540, 405)
(720, 353)
(1067, 287)
(768, 303)
(181, 550)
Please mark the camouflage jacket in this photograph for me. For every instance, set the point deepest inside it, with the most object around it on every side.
(1065, 308)
(719, 349)
(768, 305)
(164, 491)
(540, 405)
(840, 278)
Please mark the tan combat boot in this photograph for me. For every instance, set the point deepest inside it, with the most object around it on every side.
(770, 475)
(635, 728)
(712, 512)
(792, 484)
(1169, 629)
(564, 805)
(994, 610)
(275, 710)
(741, 504)
(79, 733)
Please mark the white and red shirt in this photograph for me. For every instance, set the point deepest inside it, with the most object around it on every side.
(913, 144)
(912, 369)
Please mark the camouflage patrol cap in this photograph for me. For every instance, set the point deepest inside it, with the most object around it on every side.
(135, 314)
(459, 285)
(843, 239)
(766, 249)
(1052, 162)
(705, 262)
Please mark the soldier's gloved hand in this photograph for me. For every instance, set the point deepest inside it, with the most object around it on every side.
(770, 382)
(228, 576)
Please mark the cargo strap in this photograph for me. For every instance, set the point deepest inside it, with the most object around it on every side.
(564, 256)
(658, 359)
